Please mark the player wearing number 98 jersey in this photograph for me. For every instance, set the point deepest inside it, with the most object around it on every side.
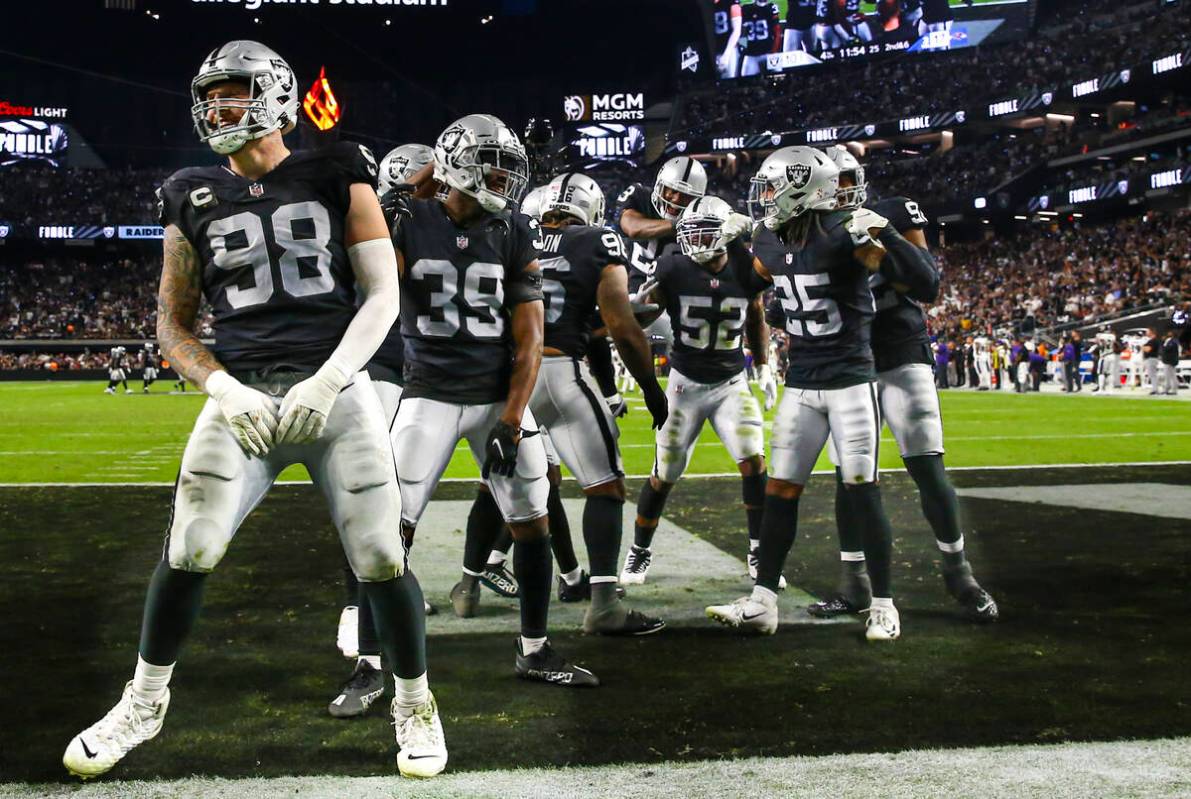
(909, 403)
(712, 312)
(278, 243)
(818, 259)
(472, 319)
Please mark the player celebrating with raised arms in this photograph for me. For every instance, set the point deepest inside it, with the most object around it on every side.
(278, 243)
(713, 313)
(819, 260)
(472, 319)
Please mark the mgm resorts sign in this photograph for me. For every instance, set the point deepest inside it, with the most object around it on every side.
(603, 107)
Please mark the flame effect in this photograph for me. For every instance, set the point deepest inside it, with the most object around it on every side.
(320, 103)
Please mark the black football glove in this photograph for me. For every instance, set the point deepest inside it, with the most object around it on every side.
(501, 450)
(656, 404)
(395, 202)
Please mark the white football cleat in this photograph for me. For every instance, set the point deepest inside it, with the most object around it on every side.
(746, 614)
(420, 738)
(636, 566)
(883, 624)
(99, 747)
(753, 560)
(347, 638)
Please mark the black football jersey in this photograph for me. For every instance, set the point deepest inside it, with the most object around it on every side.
(638, 198)
(150, 360)
(828, 307)
(707, 313)
(899, 328)
(800, 14)
(572, 261)
(721, 17)
(759, 28)
(454, 314)
(825, 12)
(274, 267)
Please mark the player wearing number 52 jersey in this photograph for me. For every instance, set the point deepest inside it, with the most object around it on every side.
(472, 320)
(909, 403)
(583, 265)
(819, 260)
(278, 243)
(712, 313)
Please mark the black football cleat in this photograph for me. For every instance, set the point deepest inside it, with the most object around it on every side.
(497, 578)
(548, 666)
(619, 622)
(364, 687)
(829, 608)
(978, 604)
(579, 592)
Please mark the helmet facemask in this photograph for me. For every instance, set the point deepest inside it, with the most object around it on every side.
(856, 195)
(701, 238)
(494, 173)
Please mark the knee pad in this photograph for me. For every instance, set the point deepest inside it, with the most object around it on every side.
(197, 544)
(670, 464)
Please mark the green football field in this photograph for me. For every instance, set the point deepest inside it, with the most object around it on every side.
(1079, 691)
(72, 432)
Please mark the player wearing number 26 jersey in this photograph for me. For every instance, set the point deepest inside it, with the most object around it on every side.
(279, 243)
(819, 260)
(472, 318)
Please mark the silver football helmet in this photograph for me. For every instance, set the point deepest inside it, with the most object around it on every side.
(856, 195)
(700, 229)
(577, 195)
(531, 205)
(480, 156)
(684, 175)
(272, 102)
(790, 182)
(400, 164)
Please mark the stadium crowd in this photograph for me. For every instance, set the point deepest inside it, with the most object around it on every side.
(1093, 44)
(36, 194)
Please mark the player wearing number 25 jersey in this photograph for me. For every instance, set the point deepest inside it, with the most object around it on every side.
(279, 243)
(472, 318)
(819, 260)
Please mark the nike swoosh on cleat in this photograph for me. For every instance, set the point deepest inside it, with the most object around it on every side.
(743, 617)
(86, 750)
(420, 757)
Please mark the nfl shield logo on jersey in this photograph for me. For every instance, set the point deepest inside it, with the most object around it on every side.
(461, 242)
(256, 190)
(715, 283)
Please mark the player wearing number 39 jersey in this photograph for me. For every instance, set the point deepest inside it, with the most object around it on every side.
(819, 260)
(472, 320)
(279, 244)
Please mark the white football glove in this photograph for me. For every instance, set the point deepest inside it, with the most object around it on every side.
(249, 413)
(768, 384)
(736, 226)
(307, 405)
(639, 299)
(861, 222)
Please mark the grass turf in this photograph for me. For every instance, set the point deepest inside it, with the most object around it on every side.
(73, 432)
(1089, 647)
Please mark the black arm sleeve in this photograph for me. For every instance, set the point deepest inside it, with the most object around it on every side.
(599, 357)
(909, 265)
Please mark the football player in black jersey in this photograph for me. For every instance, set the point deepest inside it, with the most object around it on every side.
(762, 24)
(278, 243)
(583, 265)
(855, 23)
(713, 313)
(472, 319)
(819, 260)
(909, 403)
(356, 635)
(800, 19)
(726, 20)
(117, 370)
(148, 366)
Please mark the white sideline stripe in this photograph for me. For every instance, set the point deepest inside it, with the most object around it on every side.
(714, 475)
(1156, 768)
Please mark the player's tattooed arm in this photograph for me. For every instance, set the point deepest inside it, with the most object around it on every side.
(178, 299)
(528, 323)
(756, 331)
(635, 225)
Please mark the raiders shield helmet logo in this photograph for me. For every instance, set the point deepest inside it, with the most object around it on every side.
(798, 175)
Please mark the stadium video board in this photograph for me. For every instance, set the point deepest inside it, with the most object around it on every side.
(767, 37)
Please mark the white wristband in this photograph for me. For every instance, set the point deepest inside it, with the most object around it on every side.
(218, 384)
